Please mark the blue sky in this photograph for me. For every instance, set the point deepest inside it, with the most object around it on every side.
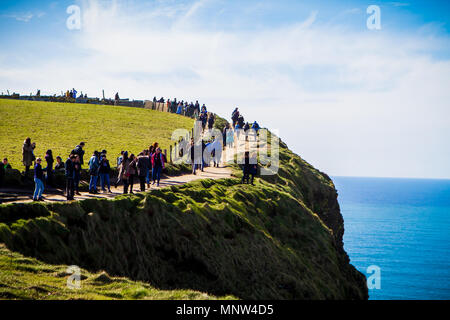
(351, 101)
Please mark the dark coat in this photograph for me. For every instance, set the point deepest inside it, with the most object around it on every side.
(79, 151)
(38, 172)
(143, 165)
(105, 168)
(69, 169)
(49, 160)
(161, 158)
(2, 174)
(27, 154)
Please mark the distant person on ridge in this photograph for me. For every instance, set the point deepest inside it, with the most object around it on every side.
(211, 121)
(255, 126)
(235, 116)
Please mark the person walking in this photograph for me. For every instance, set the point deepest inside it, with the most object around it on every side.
(28, 154)
(94, 165)
(104, 172)
(211, 120)
(143, 164)
(248, 169)
(39, 181)
(235, 116)
(49, 169)
(69, 167)
(158, 165)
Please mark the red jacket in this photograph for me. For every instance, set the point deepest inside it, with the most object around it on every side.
(162, 159)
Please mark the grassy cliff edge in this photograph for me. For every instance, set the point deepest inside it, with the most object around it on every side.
(279, 239)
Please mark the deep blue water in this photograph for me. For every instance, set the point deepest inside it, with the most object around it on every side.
(403, 227)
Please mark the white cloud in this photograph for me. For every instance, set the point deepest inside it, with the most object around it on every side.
(350, 102)
(23, 17)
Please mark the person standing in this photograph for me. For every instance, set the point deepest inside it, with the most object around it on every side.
(104, 171)
(196, 109)
(179, 108)
(132, 170)
(39, 181)
(70, 185)
(151, 151)
(59, 163)
(123, 172)
(94, 165)
(235, 116)
(158, 165)
(216, 148)
(49, 169)
(2, 175)
(76, 174)
(5, 164)
(211, 121)
(27, 154)
(230, 137)
(143, 164)
(119, 162)
(248, 169)
(79, 151)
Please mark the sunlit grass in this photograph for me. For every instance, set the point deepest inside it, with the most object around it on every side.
(61, 126)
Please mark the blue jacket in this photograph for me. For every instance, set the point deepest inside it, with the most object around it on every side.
(38, 172)
(94, 164)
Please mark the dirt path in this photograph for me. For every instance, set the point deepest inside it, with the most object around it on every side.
(24, 196)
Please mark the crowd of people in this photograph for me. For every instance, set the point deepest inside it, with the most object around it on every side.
(146, 167)
(73, 94)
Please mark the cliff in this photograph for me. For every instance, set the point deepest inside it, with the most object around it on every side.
(279, 239)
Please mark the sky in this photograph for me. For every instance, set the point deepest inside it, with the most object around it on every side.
(350, 100)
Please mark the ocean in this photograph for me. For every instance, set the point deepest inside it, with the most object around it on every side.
(402, 227)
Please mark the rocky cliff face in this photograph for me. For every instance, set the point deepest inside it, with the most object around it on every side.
(280, 239)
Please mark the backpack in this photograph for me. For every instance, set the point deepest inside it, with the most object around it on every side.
(77, 150)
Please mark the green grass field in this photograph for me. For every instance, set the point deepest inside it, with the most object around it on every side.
(28, 278)
(61, 126)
